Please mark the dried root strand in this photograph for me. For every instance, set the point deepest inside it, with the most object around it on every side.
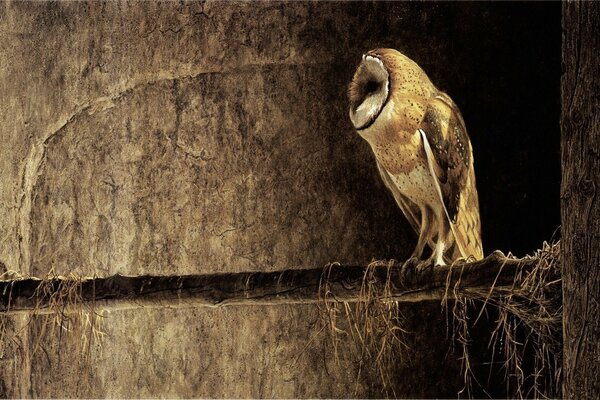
(527, 324)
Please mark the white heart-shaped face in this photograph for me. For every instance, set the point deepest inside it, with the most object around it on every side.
(369, 92)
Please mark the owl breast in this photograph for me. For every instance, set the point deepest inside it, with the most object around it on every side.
(417, 184)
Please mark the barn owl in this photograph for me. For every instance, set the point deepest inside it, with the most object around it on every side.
(422, 151)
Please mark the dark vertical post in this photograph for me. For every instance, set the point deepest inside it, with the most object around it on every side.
(580, 199)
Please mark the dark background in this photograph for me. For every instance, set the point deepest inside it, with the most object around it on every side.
(500, 62)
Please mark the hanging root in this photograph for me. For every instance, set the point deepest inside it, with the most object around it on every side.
(526, 317)
(529, 321)
(373, 324)
(70, 314)
(64, 313)
(527, 337)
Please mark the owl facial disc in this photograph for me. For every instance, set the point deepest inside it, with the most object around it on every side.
(369, 91)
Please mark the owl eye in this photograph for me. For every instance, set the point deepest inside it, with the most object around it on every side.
(371, 87)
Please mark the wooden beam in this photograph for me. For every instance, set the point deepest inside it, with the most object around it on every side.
(580, 199)
(388, 280)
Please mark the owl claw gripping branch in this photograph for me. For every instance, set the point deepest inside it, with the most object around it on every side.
(422, 151)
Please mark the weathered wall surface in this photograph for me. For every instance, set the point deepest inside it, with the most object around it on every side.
(154, 137)
(201, 137)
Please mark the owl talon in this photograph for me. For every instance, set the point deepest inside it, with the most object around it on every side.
(418, 265)
(412, 262)
(424, 265)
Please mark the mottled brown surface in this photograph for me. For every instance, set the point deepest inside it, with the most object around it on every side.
(232, 352)
(202, 137)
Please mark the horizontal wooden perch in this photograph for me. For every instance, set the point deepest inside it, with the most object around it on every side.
(405, 283)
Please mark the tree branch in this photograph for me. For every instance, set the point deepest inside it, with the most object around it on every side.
(388, 280)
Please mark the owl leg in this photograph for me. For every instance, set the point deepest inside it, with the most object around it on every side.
(424, 233)
(438, 252)
(443, 241)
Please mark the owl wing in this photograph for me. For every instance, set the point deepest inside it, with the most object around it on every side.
(410, 209)
(450, 159)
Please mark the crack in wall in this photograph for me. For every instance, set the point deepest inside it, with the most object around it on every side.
(31, 171)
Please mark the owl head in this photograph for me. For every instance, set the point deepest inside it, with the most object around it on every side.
(381, 76)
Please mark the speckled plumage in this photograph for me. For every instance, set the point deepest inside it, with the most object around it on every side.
(423, 152)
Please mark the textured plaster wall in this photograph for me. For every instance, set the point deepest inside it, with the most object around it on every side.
(179, 137)
(201, 137)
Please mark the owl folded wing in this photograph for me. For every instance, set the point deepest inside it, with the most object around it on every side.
(449, 156)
